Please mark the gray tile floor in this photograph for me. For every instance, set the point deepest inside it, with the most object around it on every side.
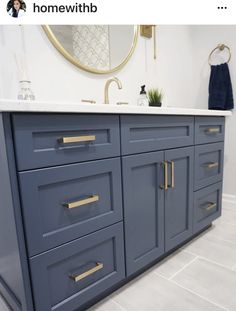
(199, 277)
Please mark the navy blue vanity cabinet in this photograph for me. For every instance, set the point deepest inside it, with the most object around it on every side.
(143, 209)
(89, 200)
(179, 196)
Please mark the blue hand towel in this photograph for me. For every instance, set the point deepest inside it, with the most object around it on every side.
(220, 88)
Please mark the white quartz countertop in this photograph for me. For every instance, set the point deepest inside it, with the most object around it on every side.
(7, 105)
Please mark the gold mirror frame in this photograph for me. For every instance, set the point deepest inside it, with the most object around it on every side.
(74, 61)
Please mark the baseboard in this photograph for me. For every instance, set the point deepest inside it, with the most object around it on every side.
(230, 198)
(9, 297)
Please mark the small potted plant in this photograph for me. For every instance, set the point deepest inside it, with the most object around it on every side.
(155, 97)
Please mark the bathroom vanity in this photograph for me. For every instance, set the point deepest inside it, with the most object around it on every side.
(92, 195)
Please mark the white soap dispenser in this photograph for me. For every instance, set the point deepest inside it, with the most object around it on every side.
(143, 100)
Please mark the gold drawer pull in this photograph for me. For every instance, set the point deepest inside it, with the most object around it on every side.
(212, 130)
(212, 164)
(77, 139)
(89, 200)
(172, 174)
(81, 276)
(165, 187)
(210, 206)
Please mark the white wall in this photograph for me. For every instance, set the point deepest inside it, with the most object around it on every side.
(54, 78)
(204, 39)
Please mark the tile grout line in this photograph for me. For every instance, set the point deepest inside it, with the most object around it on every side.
(225, 240)
(117, 304)
(211, 261)
(219, 238)
(169, 278)
(164, 277)
(192, 292)
(211, 234)
(196, 294)
(185, 266)
(217, 263)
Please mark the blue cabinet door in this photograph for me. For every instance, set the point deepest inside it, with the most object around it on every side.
(179, 196)
(143, 209)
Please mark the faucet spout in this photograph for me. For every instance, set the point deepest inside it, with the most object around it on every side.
(106, 97)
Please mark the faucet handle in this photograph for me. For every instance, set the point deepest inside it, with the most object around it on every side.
(88, 101)
(122, 103)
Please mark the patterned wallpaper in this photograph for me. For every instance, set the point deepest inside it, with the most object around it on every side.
(91, 45)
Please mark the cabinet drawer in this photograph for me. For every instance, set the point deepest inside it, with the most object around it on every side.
(209, 129)
(43, 140)
(149, 133)
(69, 276)
(207, 206)
(64, 203)
(208, 164)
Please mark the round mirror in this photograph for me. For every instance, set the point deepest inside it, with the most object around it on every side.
(94, 48)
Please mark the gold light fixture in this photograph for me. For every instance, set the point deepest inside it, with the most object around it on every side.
(149, 31)
(146, 31)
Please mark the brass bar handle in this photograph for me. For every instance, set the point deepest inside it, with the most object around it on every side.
(166, 175)
(212, 165)
(84, 275)
(93, 198)
(210, 206)
(165, 187)
(172, 174)
(77, 139)
(212, 130)
(172, 163)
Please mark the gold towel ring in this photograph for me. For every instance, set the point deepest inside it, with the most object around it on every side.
(221, 47)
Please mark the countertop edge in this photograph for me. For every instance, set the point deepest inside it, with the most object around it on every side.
(53, 107)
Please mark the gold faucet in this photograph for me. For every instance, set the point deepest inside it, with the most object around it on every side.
(106, 98)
